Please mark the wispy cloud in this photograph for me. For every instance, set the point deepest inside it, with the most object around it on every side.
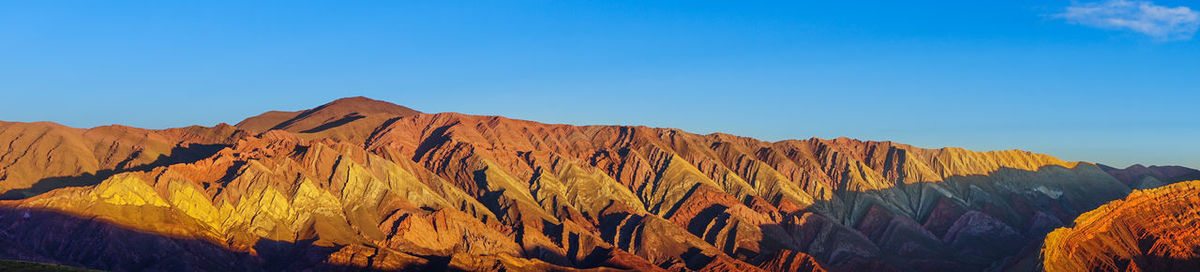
(1159, 22)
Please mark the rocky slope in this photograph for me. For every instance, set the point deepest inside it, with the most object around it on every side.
(359, 183)
(1150, 230)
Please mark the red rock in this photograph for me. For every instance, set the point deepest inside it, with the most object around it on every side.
(1150, 230)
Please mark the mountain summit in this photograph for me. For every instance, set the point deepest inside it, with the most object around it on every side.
(339, 111)
(364, 184)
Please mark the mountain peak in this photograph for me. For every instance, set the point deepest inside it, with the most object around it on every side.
(356, 98)
(362, 104)
(341, 110)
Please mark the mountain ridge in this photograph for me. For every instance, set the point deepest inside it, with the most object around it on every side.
(391, 180)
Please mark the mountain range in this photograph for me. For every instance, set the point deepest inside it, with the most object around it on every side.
(360, 184)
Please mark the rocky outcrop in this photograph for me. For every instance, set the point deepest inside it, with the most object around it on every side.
(364, 183)
(1150, 230)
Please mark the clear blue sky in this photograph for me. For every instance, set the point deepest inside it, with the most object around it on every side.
(1053, 77)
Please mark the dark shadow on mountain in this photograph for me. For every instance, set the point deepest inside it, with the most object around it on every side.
(298, 117)
(380, 130)
(995, 222)
(185, 153)
(1156, 263)
(291, 256)
(551, 256)
(695, 260)
(23, 266)
(1137, 174)
(494, 201)
(436, 138)
(53, 237)
(339, 122)
(572, 242)
(617, 228)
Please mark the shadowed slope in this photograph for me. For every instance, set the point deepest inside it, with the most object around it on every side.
(22, 266)
(964, 223)
(1142, 177)
(44, 236)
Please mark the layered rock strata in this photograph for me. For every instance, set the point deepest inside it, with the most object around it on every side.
(359, 183)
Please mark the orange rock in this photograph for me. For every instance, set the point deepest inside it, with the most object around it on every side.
(1150, 230)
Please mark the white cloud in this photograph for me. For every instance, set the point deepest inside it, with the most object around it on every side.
(1160, 22)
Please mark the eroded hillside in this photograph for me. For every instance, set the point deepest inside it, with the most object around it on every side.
(1150, 230)
(362, 183)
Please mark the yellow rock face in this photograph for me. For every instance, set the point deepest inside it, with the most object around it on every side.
(192, 202)
(127, 190)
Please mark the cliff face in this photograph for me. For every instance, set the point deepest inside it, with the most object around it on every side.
(1150, 230)
(363, 183)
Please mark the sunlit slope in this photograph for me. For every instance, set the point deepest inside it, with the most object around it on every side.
(385, 187)
(1150, 230)
(36, 157)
